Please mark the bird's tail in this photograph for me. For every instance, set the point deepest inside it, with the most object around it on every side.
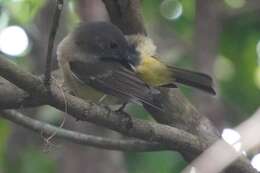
(198, 80)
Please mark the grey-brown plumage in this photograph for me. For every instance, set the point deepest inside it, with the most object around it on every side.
(93, 62)
(113, 79)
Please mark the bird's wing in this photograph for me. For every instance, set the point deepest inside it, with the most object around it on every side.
(113, 79)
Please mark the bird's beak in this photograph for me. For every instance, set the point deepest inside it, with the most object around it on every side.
(132, 67)
(131, 59)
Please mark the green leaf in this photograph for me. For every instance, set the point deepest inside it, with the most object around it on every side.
(4, 133)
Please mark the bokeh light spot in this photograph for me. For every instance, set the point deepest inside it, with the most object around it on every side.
(237, 146)
(230, 136)
(256, 162)
(235, 3)
(257, 77)
(171, 9)
(193, 170)
(17, 0)
(224, 69)
(13, 40)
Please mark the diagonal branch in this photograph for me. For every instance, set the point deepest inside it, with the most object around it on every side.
(80, 138)
(13, 97)
(123, 12)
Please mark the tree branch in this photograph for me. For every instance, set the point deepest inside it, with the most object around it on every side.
(80, 138)
(125, 12)
(13, 97)
(54, 28)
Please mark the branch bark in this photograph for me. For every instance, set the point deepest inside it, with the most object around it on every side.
(13, 97)
(54, 28)
(125, 12)
(133, 145)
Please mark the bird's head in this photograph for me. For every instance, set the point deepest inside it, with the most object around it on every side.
(104, 41)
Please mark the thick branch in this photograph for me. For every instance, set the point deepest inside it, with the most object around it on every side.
(13, 97)
(125, 12)
(80, 138)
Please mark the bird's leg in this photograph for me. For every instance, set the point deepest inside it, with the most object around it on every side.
(122, 107)
(126, 118)
(102, 98)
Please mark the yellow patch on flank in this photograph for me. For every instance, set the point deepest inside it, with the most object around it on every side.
(153, 72)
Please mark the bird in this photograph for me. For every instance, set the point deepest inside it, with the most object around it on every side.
(98, 60)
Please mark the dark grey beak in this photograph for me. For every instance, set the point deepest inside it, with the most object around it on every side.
(129, 58)
(132, 58)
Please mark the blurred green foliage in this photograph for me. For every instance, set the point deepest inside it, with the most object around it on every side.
(22, 11)
(183, 25)
(155, 162)
(4, 133)
(238, 41)
(37, 161)
(32, 160)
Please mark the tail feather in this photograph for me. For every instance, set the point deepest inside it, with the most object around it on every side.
(198, 80)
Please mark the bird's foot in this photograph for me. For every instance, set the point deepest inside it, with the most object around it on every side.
(126, 119)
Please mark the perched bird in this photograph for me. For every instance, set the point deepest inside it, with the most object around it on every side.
(97, 60)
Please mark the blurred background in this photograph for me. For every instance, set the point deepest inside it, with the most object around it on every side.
(218, 37)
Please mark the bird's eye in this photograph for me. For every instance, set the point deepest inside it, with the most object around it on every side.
(113, 45)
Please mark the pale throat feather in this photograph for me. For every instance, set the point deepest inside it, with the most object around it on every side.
(144, 45)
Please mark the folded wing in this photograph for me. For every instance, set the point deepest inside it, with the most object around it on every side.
(113, 79)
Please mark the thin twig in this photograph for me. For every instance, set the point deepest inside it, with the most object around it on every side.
(54, 28)
(65, 111)
(80, 138)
